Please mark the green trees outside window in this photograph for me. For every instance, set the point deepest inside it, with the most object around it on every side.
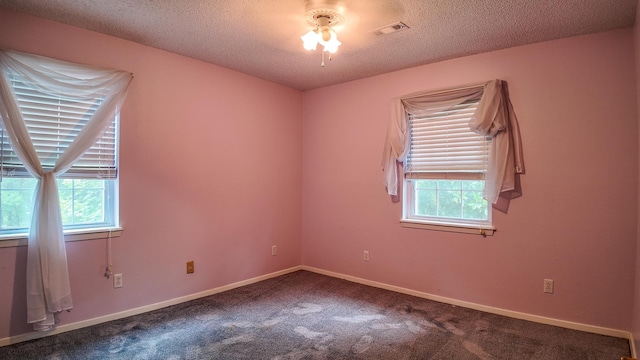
(455, 199)
(82, 202)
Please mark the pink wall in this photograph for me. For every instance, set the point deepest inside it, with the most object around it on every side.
(242, 184)
(210, 172)
(576, 223)
(635, 330)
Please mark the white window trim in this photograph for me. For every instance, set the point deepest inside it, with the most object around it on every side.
(454, 171)
(442, 226)
(462, 226)
(15, 240)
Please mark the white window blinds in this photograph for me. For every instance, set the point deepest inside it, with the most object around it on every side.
(53, 122)
(442, 146)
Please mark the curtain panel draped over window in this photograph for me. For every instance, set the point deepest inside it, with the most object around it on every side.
(48, 289)
(494, 117)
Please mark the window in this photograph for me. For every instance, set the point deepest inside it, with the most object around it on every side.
(444, 169)
(88, 190)
(85, 203)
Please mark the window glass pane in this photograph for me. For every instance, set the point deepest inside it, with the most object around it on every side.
(83, 202)
(426, 204)
(16, 202)
(88, 202)
(476, 185)
(65, 192)
(426, 184)
(449, 184)
(473, 205)
(449, 203)
(449, 199)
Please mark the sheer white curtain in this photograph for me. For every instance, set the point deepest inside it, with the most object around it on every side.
(494, 117)
(421, 103)
(48, 290)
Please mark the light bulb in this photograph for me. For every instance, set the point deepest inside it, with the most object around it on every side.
(310, 40)
(333, 43)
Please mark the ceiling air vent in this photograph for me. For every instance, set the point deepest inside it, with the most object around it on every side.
(389, 29)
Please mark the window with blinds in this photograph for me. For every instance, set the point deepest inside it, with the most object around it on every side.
(444, 169)
(88, 190)
(53, 122)
(442, 146)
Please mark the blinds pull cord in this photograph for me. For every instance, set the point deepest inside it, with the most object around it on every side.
(108, 271)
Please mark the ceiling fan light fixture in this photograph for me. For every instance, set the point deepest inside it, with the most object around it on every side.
(324, 16)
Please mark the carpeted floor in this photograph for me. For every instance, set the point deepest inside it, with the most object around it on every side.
(304, 315)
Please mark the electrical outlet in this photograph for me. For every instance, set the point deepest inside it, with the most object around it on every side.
(274, 250)
(117, 281)
(365, 256)
(190, 267)
(548, 286)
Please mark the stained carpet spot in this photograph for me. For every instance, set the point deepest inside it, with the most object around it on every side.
(386, 326)
(238, 339)
(307, 308)
(476, 350)
(362, 345)
(294, 355)
(358, 318)
(321, 345)
(147, 347)
(307, 333)
(193, 352)
(428, 324)
(414, 328)
(481, 325)
(454, 330)
(208, 317)
(240, 324)
(117, 344)
(271, 322)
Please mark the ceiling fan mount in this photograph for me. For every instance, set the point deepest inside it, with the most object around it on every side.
(325, 13)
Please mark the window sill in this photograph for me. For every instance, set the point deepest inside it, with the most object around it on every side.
(14, 240)
(449, 227)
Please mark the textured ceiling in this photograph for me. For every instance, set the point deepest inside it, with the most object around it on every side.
(262, 37)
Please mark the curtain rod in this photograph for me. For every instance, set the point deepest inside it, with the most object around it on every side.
(464, 87)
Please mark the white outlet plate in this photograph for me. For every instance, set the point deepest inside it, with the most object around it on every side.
(274, 250)
(365, 256)
(548, 286)
(117, 281)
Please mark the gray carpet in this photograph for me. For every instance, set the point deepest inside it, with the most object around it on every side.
(304, 315)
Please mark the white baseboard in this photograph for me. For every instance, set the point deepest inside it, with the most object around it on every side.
(513, 314)
(632, 345)
(81, 324)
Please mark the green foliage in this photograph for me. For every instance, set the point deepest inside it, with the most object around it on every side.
(82, 201)
(16, 202)
(458, 199)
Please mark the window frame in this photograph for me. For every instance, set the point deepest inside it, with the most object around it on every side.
(411, 220)
(110, 211)
(108, 172)
(15, 240)
(449, 172)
